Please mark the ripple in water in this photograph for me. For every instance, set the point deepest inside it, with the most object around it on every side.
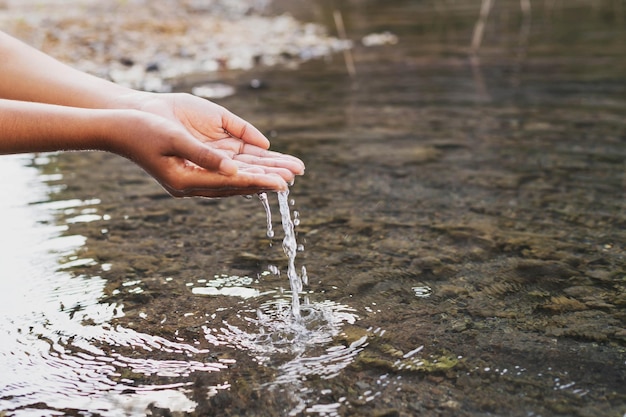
(300, 334)
(277, 333)
(299, 349)
(59, 351)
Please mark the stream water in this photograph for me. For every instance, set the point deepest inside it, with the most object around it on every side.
(463, 223)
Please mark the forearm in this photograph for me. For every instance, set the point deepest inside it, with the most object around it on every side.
(37, 127)
(29, 75)
(190, 145)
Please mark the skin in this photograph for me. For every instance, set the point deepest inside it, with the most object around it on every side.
(191, 146)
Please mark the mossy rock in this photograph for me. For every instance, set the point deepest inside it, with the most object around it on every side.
(429, 365)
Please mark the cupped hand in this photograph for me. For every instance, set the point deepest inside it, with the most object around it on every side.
(195, 147)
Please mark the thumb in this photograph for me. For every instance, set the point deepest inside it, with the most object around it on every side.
(206, 157)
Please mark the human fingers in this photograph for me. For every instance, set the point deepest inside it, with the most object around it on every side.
(293, 165)
(284, 173)
(239, 128)
(285, 165)
(205, 156)
(258, 156)
(204, 184)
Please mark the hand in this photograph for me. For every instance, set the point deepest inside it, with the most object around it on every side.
(194, 147)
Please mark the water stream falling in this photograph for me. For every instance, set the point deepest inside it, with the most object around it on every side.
(290, 247)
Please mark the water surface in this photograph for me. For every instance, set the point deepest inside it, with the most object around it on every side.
(463, 231)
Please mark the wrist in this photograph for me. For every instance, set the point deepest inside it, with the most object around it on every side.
(112, 130)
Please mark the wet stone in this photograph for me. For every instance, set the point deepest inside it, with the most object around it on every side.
(386, 413)
(562, 304)
(451, 291)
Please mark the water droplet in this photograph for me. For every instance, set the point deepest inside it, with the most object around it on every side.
(273, 269)
(304, 276)
(268, 213)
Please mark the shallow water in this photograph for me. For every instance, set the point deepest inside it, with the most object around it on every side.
(463, 230)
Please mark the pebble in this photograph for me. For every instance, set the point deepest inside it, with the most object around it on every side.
(171, 41)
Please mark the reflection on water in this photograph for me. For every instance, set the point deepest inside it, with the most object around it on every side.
(58, 346)
(227, 285)
(61, 349)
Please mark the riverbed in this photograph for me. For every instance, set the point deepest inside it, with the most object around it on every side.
(462, 224)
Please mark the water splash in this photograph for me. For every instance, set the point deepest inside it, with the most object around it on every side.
(290, 245)
(270, 330)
